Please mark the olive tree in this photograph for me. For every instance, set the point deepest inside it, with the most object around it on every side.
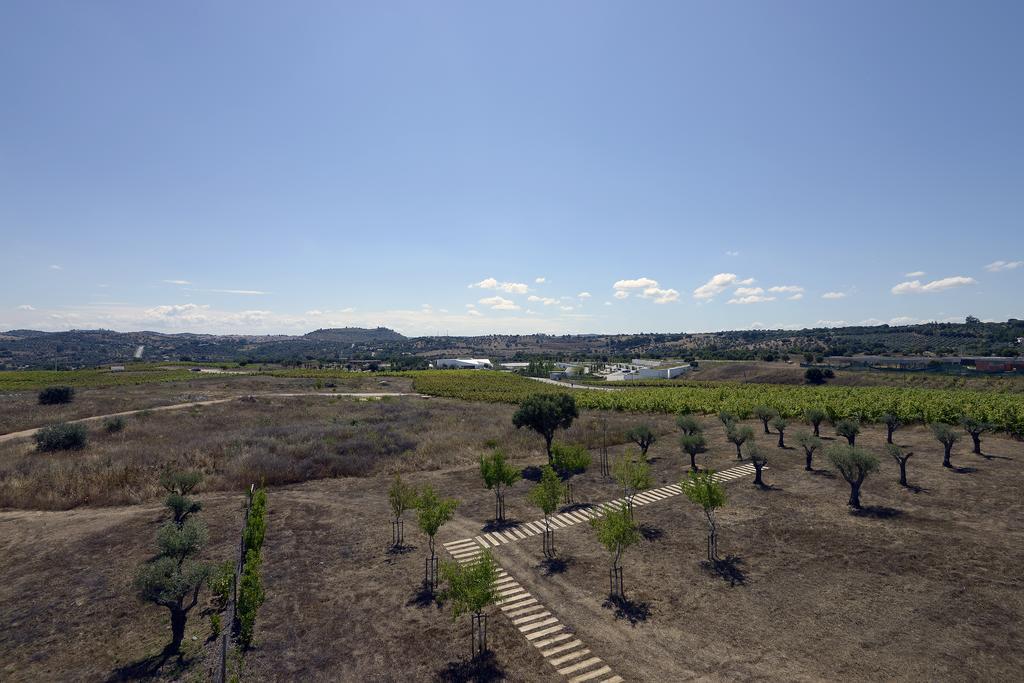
(855, 464)
(727, 419)
(472, 588)
(633, 474)
(779, 424)
(753, 452)
(810, 443)
(401, 497)
(975, 428)
(688, 424)
(616, 531)
(178, 485)
(642, 436)
(693, 445)
(947, 436)
(892, 423)
(544, 413)
(174, 579)
(739, 435)
(814, 417)
(701, 489)
(498, 474)
(765, 415)
(432, 512)
(546, 495)
(848, 428)
(901, 457)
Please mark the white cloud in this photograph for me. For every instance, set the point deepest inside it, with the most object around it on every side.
(732, 253)
(795, 297)
(473, 311)
(718, 284)
(499, 303)
(583, 295)
(915, 286)
(904, 320)
(621, 294)
(177, 282)
(831, 323)
(786, 289)
(607, 303)
(999, 266)
(56, 267)
(507, 287)
(566, 308)
(540, 280)
(314, 313)
(748, 291)
(546, 300)
(638, 283)
(661, 296)
(751, 299)
(916, 273)
(26, 307)
(834, 295)
(870, 322)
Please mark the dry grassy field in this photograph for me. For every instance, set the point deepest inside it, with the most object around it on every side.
(924, 585)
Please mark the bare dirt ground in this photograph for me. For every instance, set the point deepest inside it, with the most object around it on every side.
(21, 410)
(924, 586)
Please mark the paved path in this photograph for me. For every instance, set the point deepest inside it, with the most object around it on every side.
(26, 433)
(557, 644)
(559, 521)
(570, 385)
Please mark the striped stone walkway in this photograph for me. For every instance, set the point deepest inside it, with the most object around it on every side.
(565, 519)
(559, 646)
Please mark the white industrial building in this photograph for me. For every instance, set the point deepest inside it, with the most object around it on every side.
(463, 364)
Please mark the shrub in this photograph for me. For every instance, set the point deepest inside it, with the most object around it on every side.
(51, 396)
(61, 437)
(814, 376)
(256, 525)
(219, 582)
(568, 459)
(215, 624)
(113, 425)
(250, 597)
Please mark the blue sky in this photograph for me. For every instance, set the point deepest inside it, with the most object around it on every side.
(509, 167)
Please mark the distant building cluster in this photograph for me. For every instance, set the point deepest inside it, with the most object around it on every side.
(463, 364)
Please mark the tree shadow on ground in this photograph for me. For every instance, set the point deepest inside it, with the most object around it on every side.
(914, 488)
(768, 487)
(727, 569)
(499, 524)
(150, 667)
(575, 506)
(651, 533)
(479, 669)
(878, 512)
(400, 549)
(556, 565)
(424, 597)
(963, 470)
(531, 473)
(632, 611)
(990, 456)
(827, 474)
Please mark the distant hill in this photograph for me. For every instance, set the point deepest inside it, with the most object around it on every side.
(83, 348)
(354, 335)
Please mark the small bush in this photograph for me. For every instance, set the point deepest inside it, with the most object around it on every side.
(61, 437)
(113, 425)
(814, 376)
(219, 582)
(215, 624)
(51, 396)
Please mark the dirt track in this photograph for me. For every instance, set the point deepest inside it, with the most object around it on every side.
(28, 433)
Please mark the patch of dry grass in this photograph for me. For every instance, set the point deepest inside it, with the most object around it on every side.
(279, 441)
